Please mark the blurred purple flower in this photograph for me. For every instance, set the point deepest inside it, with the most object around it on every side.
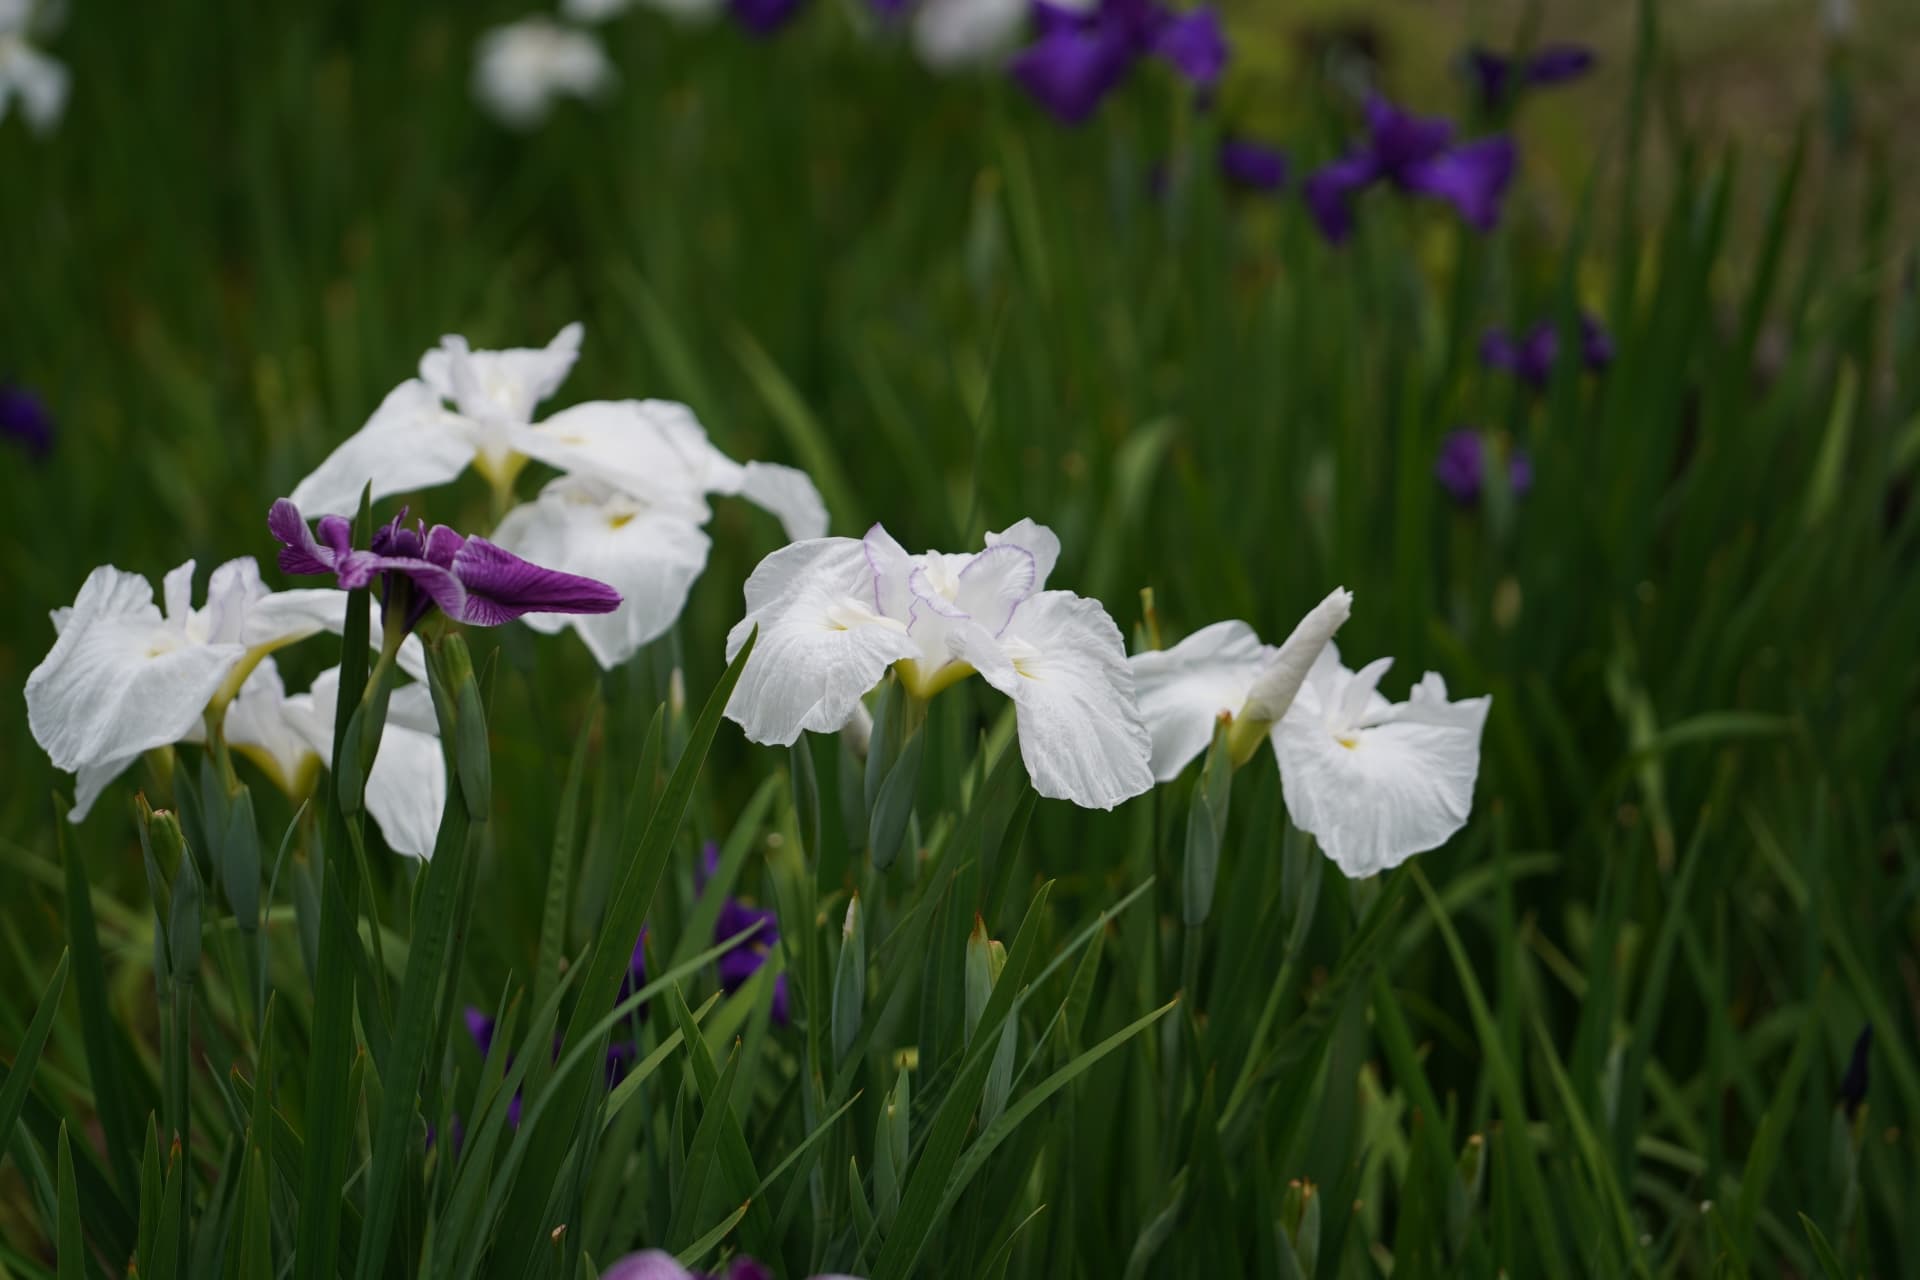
(1077, 59)
(657, 1264)
(1417, 156)
(1461, 467)
(1253, 165)
(25, 419)
(739, 963)
(470, 579)
(1496, 76)
(1531, 357)
(764, 17)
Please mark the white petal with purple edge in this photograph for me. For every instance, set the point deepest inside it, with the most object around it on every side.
(409, 443)
(1080, 730)
(821, 645)
(1036, 538)
(1183, 691)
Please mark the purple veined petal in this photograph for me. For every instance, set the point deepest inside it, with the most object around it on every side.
(1400, 141)
(891, 567)
(1472, 178)
(1330, 190)
(395, 539)
(1253, 165)
(1196, 46)
(1559, 63)
(500, 586)
(1458, 468)
(441, 546)
(1070, 70)
(994, 583)
(437, 582)
(764, 17)
(300, 552)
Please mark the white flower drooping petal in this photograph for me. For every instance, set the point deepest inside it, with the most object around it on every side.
(39, 81)
(650, 554)
(834, 614)
(1225, 670)
(415, 441)
(407, 787)
(1372, 781)
(124, 678)
(521, 69)
(263, 727)
(1081, 734)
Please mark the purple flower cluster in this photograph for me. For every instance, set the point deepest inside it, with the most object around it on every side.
(1417, 156)
(1531, 357)
(470, 579)
(1078, 58)
(1498, 77)
(24, 419)
(1462, 467)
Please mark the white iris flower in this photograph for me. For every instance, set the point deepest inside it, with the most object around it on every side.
(834, 614)
(521, 69)
(40, 82)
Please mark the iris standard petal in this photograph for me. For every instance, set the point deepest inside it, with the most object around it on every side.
(1184, 690)
(1038, 539)
(1285, 671)
(1080, 731)
(504, 386)
(1472, 178)
(409, 443)
(1068, 70)
(1195, 44)
(821, 646)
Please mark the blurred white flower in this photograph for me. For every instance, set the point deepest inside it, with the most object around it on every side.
(835, 613)
(414, 441)
(520, 69)
(123, 678)
(1377, 782)
(951, 34)
(39, 81)
(603, 10)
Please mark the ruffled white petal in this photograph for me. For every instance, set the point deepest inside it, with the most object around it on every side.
(949, 34)
(501, 386)
(119, 680)
(821, 645)
(1080, 730)
(1037, 538)
(652, 449)
(260, 724)
(1399, 783)
(1279, 681)
(409, 443)
(651, 556)
(1183, 691)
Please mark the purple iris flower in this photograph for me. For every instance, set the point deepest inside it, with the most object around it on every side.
(1531, 357)
(1077, 58)
(25, 419)
(656, 1264)
(1496, 76)
(1418, 157)
(764, 17)
(1253, 165)
(739, 963)
(470, 579)
(1461, 467)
